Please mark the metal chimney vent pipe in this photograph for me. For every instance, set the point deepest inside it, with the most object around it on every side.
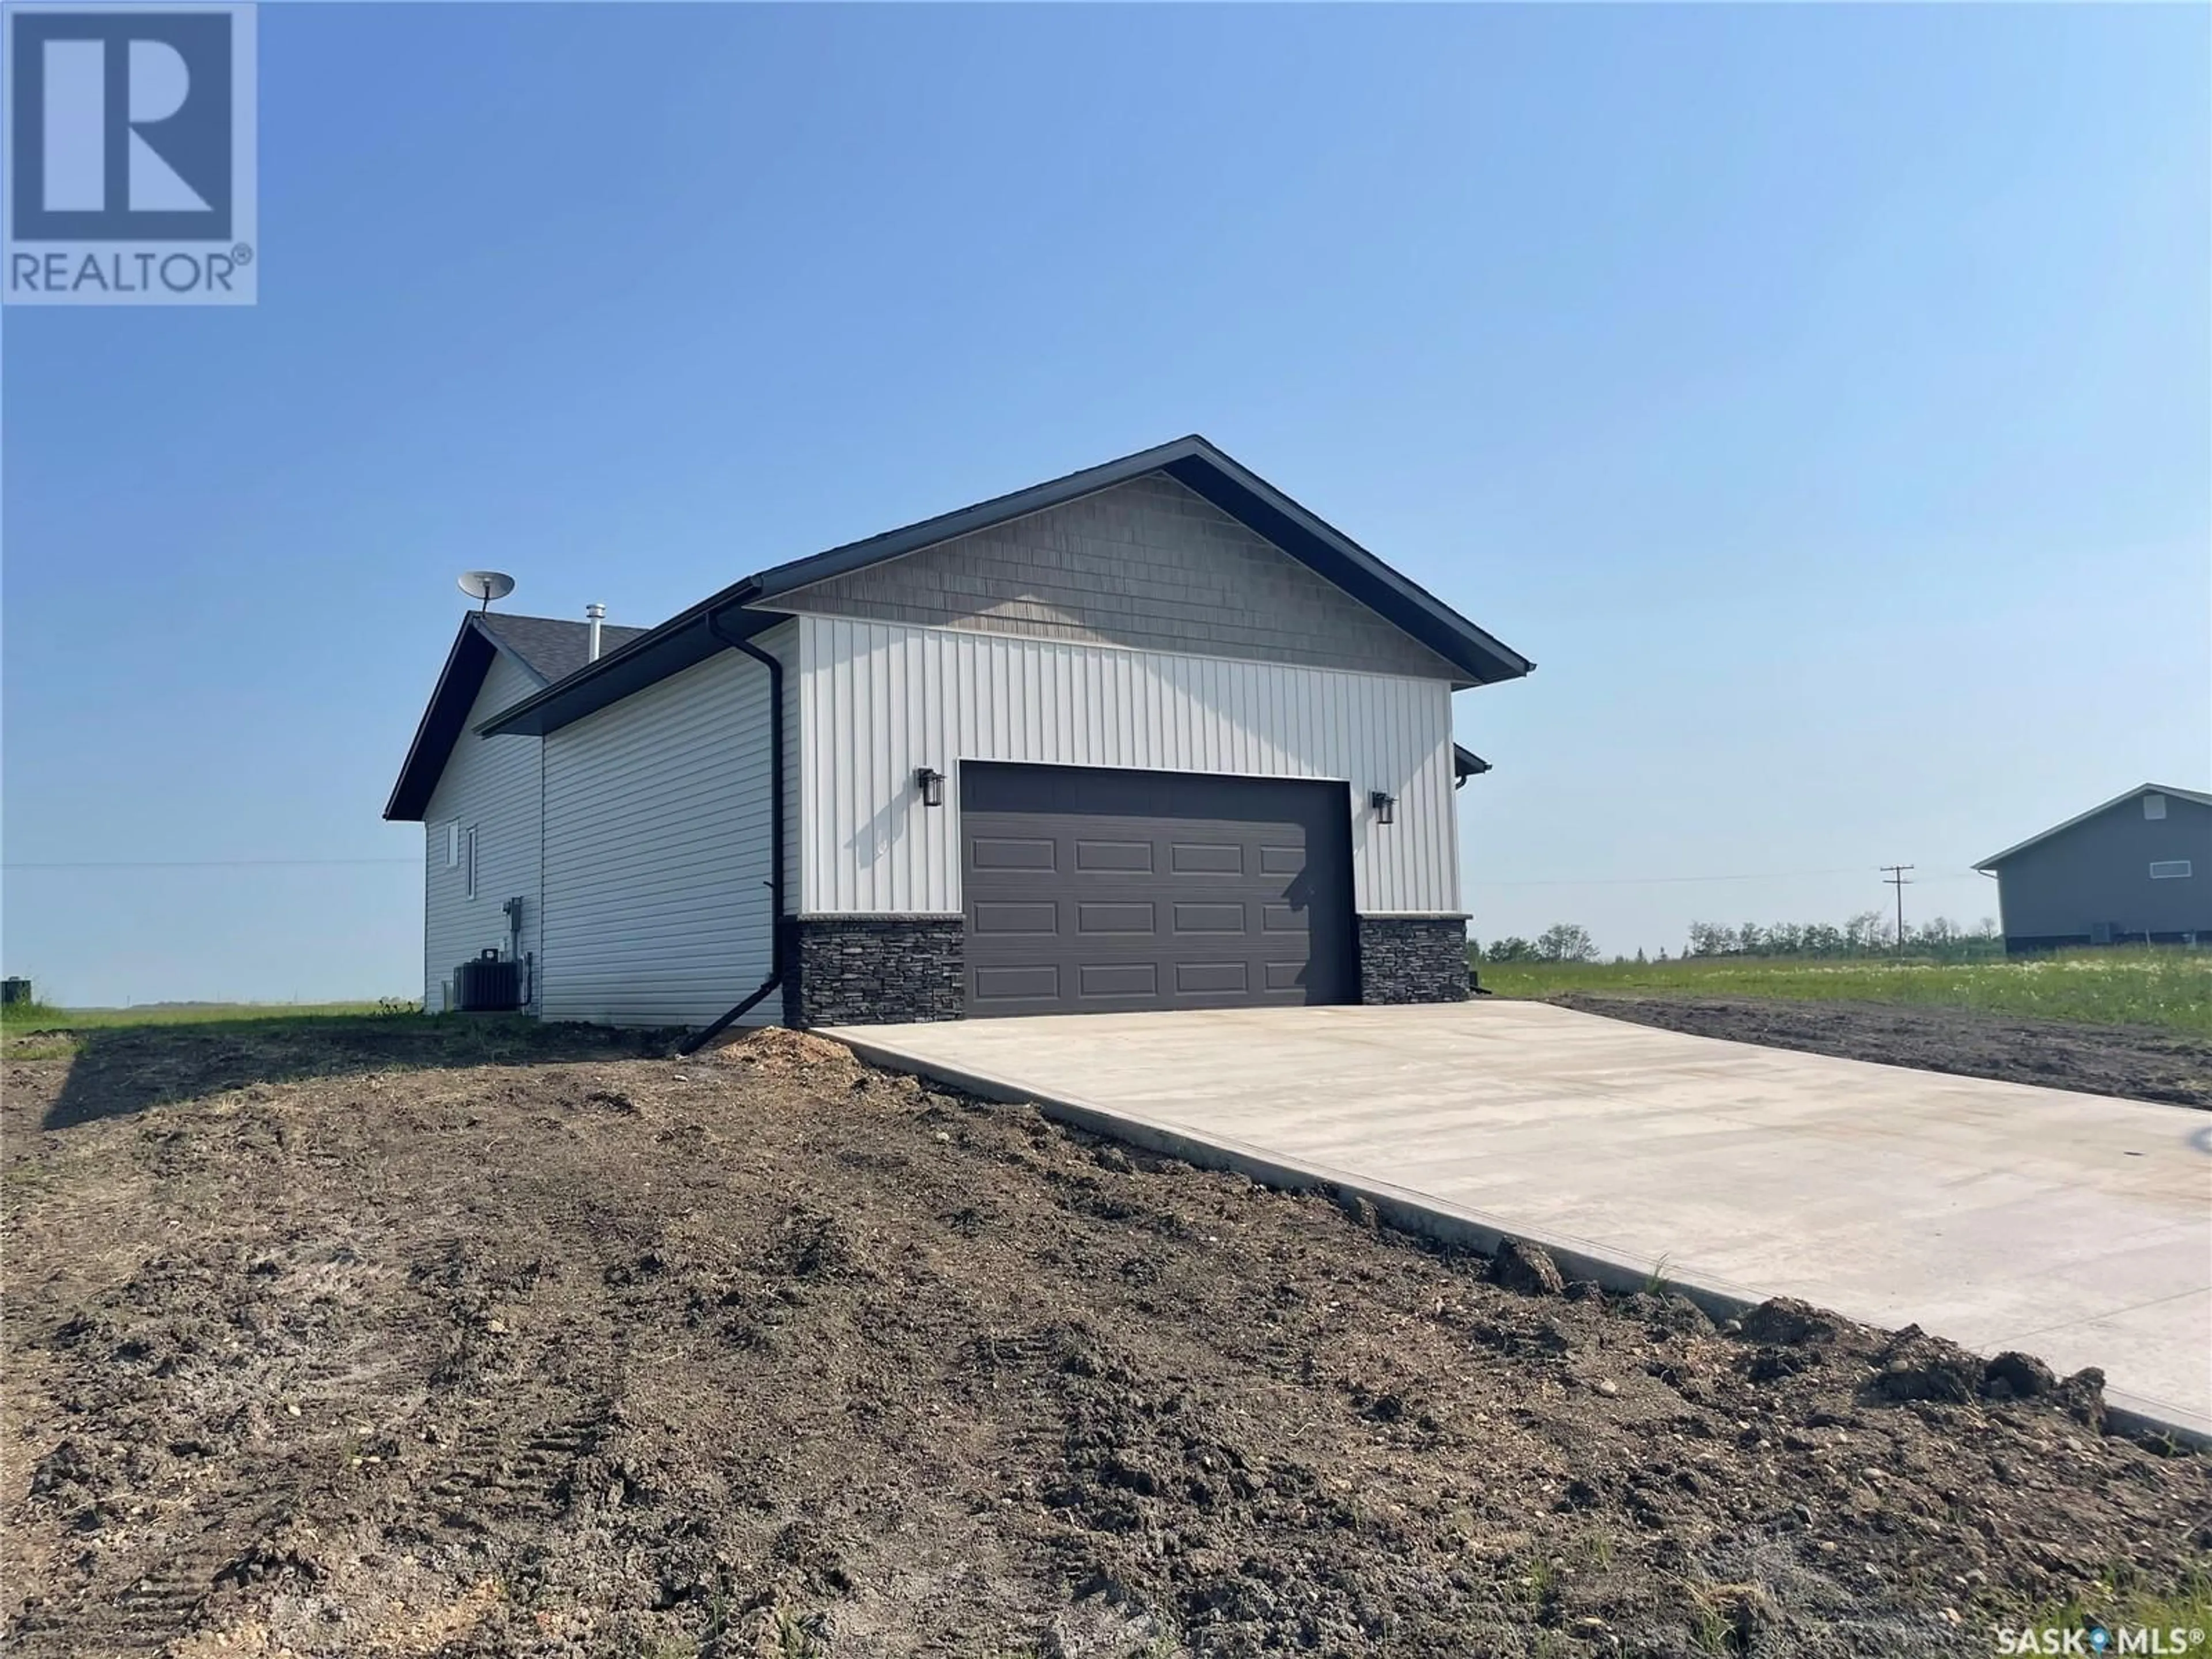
(597, 613)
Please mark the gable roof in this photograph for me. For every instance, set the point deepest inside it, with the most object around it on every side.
(2140, 790)
(547, 648)
(747, 607)
(1466, 764)
(551, 647)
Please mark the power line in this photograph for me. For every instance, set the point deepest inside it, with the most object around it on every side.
(1658, 881)
(1896, 876)
(192, 864)
(1476, 881)
(1654, 881)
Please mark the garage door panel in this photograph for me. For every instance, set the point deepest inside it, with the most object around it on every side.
(1115, 857)
(1118, 979)
(1207, 858)
(1011, 853)
(1213, 978)
(1032, 918)
(1209, 918)
(1033, 983)
(1089, 888)
(1139, 917)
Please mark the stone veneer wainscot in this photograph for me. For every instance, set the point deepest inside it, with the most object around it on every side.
(854, 970)
(1412, 958)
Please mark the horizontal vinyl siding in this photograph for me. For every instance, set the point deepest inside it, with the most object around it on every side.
(659, 851)
(491, 783)
(878, 700)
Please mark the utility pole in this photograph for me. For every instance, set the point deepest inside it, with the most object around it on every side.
(1895, 876)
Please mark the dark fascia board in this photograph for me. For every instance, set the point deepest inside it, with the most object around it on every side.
(442, 722)
(1192, 461)
(2136, 793)
(1465, 763)
(1333, 555)
(675, 645)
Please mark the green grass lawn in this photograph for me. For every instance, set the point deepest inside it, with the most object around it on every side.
(38, 1030)
(2167, 988)
(40, 1017)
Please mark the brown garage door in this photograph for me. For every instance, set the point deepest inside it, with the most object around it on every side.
(1090, 890)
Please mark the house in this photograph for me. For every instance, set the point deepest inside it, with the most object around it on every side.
(480, 802)
(1149, 736)
(2137, 869)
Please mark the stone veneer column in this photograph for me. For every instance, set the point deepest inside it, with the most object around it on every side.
(865, 970)
(1412, 958)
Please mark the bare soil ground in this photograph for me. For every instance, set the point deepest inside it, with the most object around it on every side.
(380, 1351)
(2134, 1063)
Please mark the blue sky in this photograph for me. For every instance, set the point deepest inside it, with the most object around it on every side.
(1820, 396)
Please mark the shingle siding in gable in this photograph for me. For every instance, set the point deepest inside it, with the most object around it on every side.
(1147, 564)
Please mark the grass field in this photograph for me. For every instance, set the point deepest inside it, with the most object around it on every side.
(38, 1031)
(2166, 989)
(24, 1016)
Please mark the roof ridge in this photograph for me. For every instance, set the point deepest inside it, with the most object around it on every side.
(1193, 461)
(2201, 797)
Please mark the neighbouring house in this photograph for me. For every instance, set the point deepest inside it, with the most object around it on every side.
(1149, 736)
(2136, 870)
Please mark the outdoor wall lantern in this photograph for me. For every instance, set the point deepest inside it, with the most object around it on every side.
(1386, 806)
(932, 785)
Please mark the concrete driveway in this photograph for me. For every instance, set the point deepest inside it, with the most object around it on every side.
(2072, 1226)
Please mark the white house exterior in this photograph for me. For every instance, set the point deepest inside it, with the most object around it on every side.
(657, 899)
(1150, 736)
(484, 843)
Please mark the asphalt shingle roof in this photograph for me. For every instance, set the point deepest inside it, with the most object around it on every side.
(749, 607)
(553, 647)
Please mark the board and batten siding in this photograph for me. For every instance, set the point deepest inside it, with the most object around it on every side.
(659, 851)
(491, 785)
(878, 700)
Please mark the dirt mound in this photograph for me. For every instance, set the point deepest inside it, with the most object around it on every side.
(1917, 1366)
(780, 1355)
(2015, 1376)
(773, 1048)
(1526, 1268)
(1785, 1321)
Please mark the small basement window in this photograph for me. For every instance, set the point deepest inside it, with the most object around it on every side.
(2170, 870)
(472, 861)
(2154, 806)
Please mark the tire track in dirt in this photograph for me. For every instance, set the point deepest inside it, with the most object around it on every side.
(767, 1353)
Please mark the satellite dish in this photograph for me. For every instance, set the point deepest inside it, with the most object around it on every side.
(486, 586)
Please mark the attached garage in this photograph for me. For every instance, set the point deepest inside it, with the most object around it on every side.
(1090, 890)
(1149, 736)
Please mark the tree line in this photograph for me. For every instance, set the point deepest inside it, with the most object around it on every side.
(1869, 933)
